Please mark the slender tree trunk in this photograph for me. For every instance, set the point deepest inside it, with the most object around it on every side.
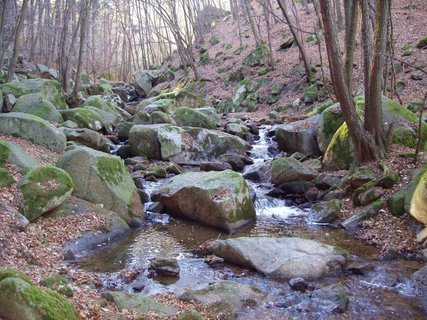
(352, 10)
(373, 109)
(17, 35)
(364, 147)
(85, 12)
(298, 41)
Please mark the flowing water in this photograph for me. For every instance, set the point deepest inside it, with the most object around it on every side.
(383, 292)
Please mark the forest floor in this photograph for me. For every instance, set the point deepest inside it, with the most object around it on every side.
(38, 251)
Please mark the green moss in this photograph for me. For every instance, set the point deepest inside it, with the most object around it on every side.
(99, 103)
(42, 188)
(57, 283)
(422, 43)
(84, 118)
(240, 49)
(11, 273)
(6, 179)
(214, 40)
(204, 58)
(257, 57)
(110, 169)
(49, 304)
(228, 46)
(339, 154)
(190, 315)
(185, 116)
(4, 153)
(50, 89)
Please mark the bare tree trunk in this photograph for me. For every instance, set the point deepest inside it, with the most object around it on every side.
(84, 15)
(373, 109)
(298, 41)
(364, 147)
(352, 13)
(17, 34)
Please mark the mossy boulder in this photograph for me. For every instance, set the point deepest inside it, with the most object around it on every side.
(85, 118)
(422, 43)
(184, 98)
(6, 178)
(185, 116)
(88, 138)
(4, 153)
(44, 189)
(187, 145)
(418, 208)
(211, 113)
(330, 121)
(340, 151)
(141, 117)
(401, 201)
(257, 57)
(98, 102)
(289, 169)
(161, 117)
(326, 211)
(218, 198)
(49, 89)
(21, 300)
(101, 178)
(34, 129)
(36, 104)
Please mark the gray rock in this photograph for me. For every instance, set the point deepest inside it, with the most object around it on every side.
(299, 136)
(365, 213)
(101, 178)
(419, 279)
(34, 129)
(281, 257)
(325, 212)
(290, 170)
(139, 303)
(217, 198)
(36, 104)
(225, 296)
(89, 138)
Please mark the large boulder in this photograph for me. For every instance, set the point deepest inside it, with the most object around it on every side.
(298, 136)
(340, 151)
(34, 129)
(104, 108)
(49, 89)
(186, 116)
(44, 189)
(85, 118)
(22, 300)
(36, 104)
(289, 169)
(218, 198)
(88, 138)
(101, 178)
(418, 207)
(329, 122)
(282, 258)
(143, 82)
(182, 145)
(225, 296)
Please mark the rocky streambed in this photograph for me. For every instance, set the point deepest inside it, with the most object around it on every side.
(282, 265)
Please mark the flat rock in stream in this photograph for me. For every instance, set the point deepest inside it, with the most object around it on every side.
(225, 296)
(139, 303)
(283, 258)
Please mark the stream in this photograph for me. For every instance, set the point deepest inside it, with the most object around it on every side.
(383, 291)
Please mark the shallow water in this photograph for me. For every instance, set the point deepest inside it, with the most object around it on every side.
(383, 292)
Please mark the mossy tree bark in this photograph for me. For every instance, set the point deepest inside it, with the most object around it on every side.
(364, 146)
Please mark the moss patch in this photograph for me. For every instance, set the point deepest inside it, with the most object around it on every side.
(4, 153)
(110, 169)
(45, 188)
(6, 179)
(185, 116)
(422, 43)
